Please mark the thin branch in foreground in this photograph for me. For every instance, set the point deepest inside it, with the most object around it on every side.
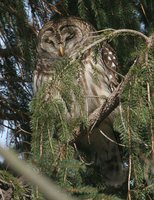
(111, 139)
(116, 33)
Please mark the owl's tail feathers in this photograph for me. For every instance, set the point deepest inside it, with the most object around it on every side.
(103, 151)
(109, 164)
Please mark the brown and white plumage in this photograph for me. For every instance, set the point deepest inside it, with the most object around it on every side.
(66, 37)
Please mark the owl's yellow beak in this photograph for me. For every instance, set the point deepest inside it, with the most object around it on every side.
(61, 50)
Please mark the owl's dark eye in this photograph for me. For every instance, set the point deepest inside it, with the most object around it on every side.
(69, 37)
(49, 42)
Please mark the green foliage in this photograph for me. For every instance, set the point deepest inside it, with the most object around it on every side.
(13, 183)
(135, 124)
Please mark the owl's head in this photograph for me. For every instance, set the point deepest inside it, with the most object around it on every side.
(63, 37)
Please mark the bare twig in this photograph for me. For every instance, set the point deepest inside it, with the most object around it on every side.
(19, 130)
(149, 91)
(129, 177)
(116, 33)
(130, 148)
(111, 139)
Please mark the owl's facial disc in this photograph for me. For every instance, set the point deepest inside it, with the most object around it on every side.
(62, 40)
(52, 44)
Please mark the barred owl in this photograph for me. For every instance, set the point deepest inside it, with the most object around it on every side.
(67, 37)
